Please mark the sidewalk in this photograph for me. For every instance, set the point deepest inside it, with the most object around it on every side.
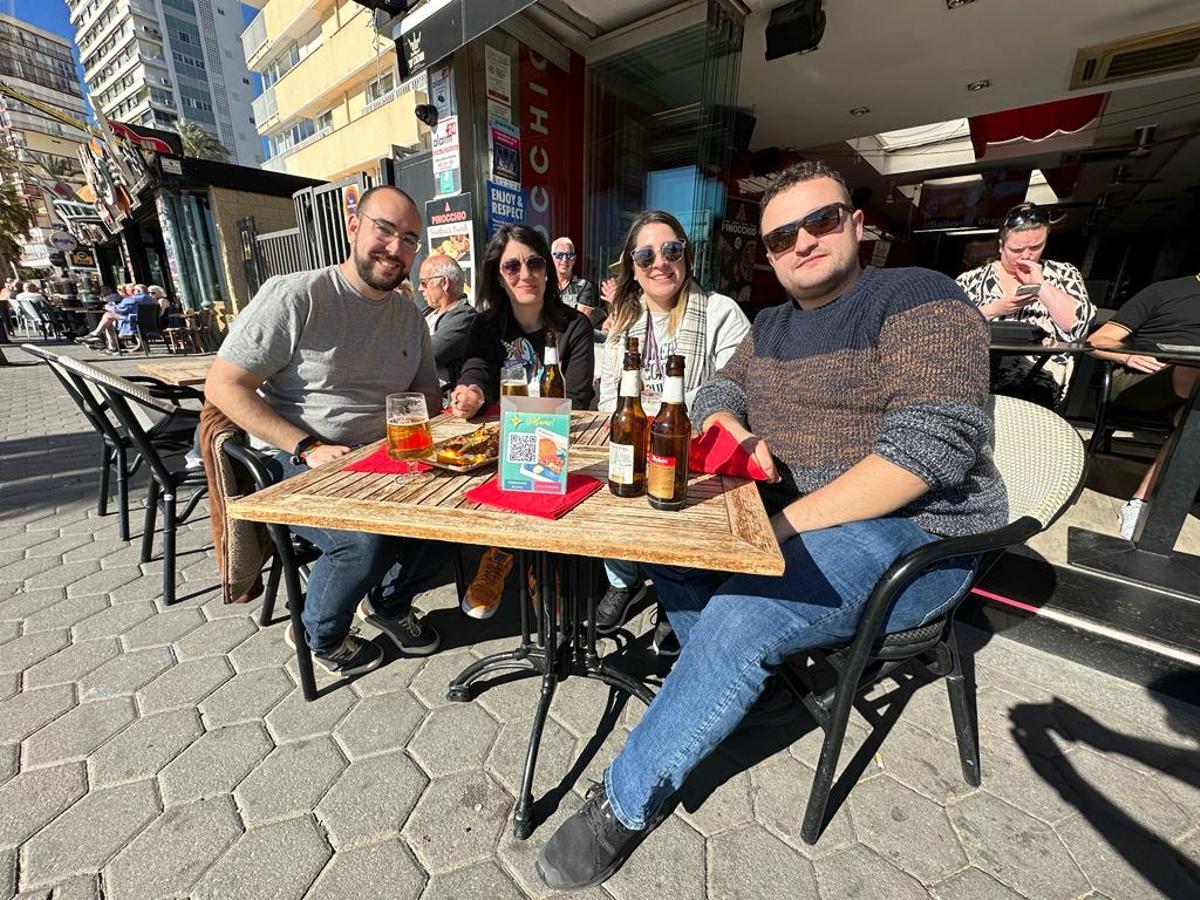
(152, 752)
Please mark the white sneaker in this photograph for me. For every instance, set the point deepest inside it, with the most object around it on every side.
(1127, 518)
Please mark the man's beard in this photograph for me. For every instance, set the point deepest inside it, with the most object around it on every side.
(364, 266)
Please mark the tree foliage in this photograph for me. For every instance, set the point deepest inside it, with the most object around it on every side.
(201, 143)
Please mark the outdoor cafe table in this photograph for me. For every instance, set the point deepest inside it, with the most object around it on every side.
(1151, 559)
(181, 372)
(998, 349)
(722, 527)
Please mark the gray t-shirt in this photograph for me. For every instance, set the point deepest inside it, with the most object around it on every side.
(331, 356)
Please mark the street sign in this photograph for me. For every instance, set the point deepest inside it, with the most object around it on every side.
(62, 241)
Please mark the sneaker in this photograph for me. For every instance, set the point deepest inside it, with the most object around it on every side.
(665, 643)
(588, 847)
(89, 340)
(483, 594)
(353, 656)
(1127, 518)
(613, 609)
(410, 635)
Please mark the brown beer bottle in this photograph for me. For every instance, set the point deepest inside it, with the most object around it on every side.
(670, 436)
(627, 430)
(552, 384)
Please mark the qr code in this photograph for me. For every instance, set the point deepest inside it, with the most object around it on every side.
(522, 448)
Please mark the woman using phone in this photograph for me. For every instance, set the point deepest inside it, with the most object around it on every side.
(1021, 286)
(657, 300)
(518, 302)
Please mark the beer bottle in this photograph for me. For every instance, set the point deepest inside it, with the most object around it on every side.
(627, 430)
(552, 384)
(670, 435)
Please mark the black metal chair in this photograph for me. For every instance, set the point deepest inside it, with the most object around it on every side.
(170, 432)
(147, 323)
(1042, 460)
(131, 403)
(293, 556)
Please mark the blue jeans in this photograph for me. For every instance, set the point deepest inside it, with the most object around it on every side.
(353, 565)
(622, 574)
(736, 630)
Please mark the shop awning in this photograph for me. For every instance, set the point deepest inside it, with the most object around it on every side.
(1058, 125)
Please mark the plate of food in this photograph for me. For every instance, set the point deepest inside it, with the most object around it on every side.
(467, 452)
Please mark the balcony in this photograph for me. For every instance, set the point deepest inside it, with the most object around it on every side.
(265, 109)
(354, 146)
(279, 21)
(310, 85)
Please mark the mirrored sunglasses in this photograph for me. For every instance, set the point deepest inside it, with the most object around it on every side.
(817, 223)
(512, 267)
(563, 254)
(643, 257)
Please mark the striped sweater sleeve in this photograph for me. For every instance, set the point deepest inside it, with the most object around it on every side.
(725, 392)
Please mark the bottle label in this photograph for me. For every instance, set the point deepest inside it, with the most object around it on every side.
(660, 476)
(629, 383)
(620, 463)
(673, 390)
(550, 356)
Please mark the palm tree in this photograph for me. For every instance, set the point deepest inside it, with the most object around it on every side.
(15, 216)
(199, 142)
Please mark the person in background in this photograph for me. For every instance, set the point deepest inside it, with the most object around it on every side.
(657, 300)
(518, 301)
(8, 302)
(1167, 312)
(576, 292)
(1023, 287)
(447, 313)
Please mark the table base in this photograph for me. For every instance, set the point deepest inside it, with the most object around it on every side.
(1178, 573)
(568, 648)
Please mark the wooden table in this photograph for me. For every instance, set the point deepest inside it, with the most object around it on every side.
(181, 371)
(723, 527)
(1151, 559)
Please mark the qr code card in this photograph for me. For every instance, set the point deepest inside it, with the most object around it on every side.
(522, 447)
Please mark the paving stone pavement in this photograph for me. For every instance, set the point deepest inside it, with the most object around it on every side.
(153, 752)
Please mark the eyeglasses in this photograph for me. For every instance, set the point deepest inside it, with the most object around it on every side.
(817, 223)
(387, 232)
(563, 254)
(672, 251)
(1026, 214)
(535, 265)
(421, 282)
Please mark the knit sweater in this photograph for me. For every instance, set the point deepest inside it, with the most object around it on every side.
(897, 366)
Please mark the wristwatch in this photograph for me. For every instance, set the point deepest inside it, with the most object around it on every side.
(307, 443)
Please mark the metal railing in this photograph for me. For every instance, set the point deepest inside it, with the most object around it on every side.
(254, 36)
(265, 106)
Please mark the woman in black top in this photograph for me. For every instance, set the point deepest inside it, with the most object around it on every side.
(517, 302)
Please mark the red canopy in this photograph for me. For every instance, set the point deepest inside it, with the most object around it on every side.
(1035, 123)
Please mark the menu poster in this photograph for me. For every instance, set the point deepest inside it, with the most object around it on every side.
(449, 231)
(737, 249)
(535, 438)
(506, 151)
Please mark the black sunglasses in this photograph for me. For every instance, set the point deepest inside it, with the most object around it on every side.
(818, 223)
(643, 257)
(512, 267)
(1026, 215)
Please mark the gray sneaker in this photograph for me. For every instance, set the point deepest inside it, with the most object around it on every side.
(408, 632)
(613, 609)
(353, 656)
(1127, 518)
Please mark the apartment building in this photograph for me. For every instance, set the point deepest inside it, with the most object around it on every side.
(332, 103)
(38, 64)
(153, 62)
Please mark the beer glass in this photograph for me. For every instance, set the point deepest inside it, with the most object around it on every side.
(512, 380)
(408, 434)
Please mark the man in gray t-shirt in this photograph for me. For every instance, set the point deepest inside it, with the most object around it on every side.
(305, 370)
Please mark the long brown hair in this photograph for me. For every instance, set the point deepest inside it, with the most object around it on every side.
(627, 301)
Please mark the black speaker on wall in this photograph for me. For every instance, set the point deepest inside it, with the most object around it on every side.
(795, 28)
(743, 130)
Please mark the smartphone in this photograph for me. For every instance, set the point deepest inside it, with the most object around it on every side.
(1028, 290)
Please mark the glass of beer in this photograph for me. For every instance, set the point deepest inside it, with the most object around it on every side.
(408, 434)
(512, 380)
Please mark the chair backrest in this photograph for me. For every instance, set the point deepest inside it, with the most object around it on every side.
(87, 398)
(1040, 457)
(147, 409)
(149, 318)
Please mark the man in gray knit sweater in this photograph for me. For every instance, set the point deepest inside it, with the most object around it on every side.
(862, 398)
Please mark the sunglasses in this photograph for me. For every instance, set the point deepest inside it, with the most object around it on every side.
(672, 251)
(512, 267)
(562, 254)
(1026, 215)
(817, 223)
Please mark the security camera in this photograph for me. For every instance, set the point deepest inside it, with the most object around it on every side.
(427, 114)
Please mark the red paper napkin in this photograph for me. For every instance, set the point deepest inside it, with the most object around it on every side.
(717, 452)
(380, 463)
(548, 506)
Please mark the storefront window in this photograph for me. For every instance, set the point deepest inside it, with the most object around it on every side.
(659, 134)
